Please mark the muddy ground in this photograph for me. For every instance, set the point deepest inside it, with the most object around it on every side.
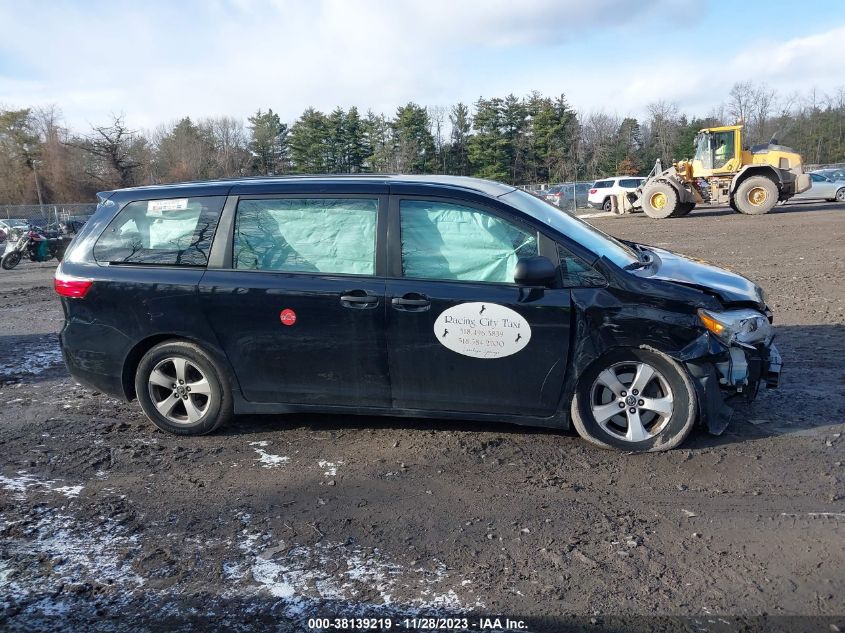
(107, 523)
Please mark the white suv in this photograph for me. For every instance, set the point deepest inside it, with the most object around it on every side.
(603, 190)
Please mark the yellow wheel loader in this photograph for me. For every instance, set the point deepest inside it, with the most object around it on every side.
(751, 180)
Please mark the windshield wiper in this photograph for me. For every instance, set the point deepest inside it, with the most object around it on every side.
(645, 257)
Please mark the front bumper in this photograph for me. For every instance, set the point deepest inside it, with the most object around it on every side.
(735, 374)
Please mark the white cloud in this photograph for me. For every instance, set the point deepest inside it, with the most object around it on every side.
(157, 62)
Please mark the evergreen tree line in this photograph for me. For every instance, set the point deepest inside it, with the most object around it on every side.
(532, 139)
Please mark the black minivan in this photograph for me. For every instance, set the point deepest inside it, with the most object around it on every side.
(419, 296)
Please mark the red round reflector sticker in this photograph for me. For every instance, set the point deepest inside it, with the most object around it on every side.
(287, 316)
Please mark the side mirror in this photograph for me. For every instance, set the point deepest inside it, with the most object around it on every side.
(534, 271)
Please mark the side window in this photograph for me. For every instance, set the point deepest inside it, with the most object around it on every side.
(630, 182)
(817, 178)
(313, 235)
(575, 273)
(453, 242)
(169, 232)
(603, 184)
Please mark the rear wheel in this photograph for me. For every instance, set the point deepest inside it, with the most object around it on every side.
(840, 195)
(634, 399)
(10, 260)
(181, 389)
(756, 195)
(660, 200)
(607, 207)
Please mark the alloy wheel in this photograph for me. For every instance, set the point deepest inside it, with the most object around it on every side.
(179, 390)
(631, 401)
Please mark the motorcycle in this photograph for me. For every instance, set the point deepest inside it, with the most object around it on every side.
(38, 244)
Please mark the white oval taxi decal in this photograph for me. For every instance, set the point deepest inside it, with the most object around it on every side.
(482, 330)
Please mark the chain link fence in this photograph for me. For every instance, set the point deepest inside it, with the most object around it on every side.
(47, 214)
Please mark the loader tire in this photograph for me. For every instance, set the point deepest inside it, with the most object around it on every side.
(756, 195)
(660, 200)
(685, 208)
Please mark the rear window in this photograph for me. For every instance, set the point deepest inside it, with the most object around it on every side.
(630, 182)
(603, 184)
(172, 232)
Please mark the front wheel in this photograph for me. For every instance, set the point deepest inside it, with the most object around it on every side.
(660, 200)
(10, 260)
(633, 399)
(756, 195)
(182, 390)
(684, 208)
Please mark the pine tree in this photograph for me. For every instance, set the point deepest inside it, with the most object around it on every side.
(309, 143)
(268, 143)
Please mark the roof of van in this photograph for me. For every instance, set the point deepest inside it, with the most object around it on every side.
(260, 184)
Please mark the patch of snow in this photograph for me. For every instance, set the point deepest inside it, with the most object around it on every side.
(55, 550)
(268, 460)
(262, 443)
(25, 482)
(69, 491)
(304, 576)
(331, 468)
(39, 358)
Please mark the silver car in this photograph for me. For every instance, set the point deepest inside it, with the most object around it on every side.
(822, 187)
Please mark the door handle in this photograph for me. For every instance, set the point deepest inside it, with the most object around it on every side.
(357, 299)
(399, 301)
(411, 302)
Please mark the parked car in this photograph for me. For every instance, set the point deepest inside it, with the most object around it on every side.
(823, 188)
(417, 296)
(555, 194)
(831, 173)
(603, 190)
(13, 228)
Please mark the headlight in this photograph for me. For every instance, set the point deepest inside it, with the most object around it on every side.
(741, 326)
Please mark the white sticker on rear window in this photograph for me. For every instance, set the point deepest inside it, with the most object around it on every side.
(482, 330)
(159, 206)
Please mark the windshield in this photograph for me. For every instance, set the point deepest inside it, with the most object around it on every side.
(702, 147)
(588, 236)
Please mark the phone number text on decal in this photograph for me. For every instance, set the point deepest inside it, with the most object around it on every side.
(350, 624)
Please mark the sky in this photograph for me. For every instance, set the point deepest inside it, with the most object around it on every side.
(159, 60)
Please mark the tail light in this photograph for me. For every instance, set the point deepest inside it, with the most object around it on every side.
(593, 190)
(70, 286)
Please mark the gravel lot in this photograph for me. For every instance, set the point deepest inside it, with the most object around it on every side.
(107, 523)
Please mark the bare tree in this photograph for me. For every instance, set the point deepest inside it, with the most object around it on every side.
(599, 132)
(437, 127)
(740, 100)
(112, 145)
(664, 124)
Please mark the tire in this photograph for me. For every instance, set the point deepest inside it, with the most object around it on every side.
(840, 195)
(685, 208)
(607, 205)
(10, 260)
(660, 200)
(197, 411)
(756, 195)
(670, 388)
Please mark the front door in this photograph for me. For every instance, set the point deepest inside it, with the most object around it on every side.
(300, 312)
(462, 336)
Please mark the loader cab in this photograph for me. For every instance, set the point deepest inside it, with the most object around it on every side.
(717, 150)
